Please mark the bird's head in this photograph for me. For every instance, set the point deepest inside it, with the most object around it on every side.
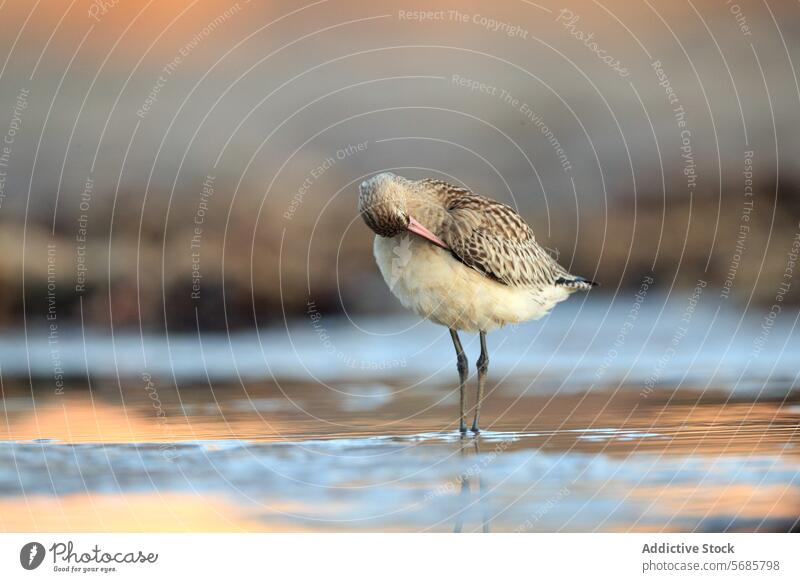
(382, 204)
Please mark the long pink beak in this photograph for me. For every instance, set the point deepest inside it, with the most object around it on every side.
(417, 228)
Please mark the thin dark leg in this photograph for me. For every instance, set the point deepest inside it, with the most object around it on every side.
(483, 367)
(463, 370)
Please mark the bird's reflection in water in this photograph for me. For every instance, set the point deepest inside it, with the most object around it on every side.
(471, 447)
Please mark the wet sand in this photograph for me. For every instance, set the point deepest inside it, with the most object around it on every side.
(593, 421)
(378, 456)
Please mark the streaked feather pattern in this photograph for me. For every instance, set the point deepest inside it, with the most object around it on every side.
(495, 240)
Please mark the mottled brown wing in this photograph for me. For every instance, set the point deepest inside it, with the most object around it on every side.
(492, 238)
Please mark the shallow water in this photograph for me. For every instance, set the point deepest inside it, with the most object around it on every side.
(599, 462)
(574, 439)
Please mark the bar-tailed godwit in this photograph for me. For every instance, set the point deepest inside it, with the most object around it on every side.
(460, 260)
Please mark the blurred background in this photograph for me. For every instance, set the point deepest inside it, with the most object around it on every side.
(122, 111)
(184, 272)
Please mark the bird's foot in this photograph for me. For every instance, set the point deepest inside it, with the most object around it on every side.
(476, 429)
(462, 428)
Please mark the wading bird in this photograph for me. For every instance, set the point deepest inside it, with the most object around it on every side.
(460, 260)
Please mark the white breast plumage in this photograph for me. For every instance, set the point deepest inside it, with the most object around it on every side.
(433, 284)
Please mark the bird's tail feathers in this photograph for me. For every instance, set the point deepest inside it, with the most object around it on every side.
(576, 283)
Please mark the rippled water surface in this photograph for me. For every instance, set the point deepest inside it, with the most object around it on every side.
(576, 438)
